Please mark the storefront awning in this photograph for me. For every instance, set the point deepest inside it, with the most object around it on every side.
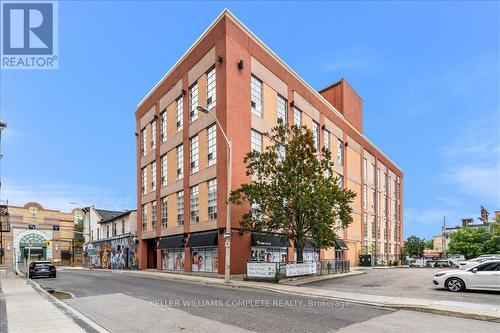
(172, 242)
(273, 240)
(201, 239)
(340, 244)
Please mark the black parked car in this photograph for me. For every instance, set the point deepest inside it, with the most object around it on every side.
(41, 268)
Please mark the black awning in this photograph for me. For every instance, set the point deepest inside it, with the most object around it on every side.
(172, 242)
(201, 239)
(269, 240)
(340, 244)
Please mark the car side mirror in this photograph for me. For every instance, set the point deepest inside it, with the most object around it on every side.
(474, 270)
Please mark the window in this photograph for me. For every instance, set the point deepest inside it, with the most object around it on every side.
(378, 178)
(385, 206)
(340, 152)
(98, 234)
(315, 131)
(326, 139)
(489, 267)
(194, 153)
(163, 208)
(379, 203)
(212, 199)
(389, 185)
(256, 141)
(365, 224)
(378, 228)
(143, 181)
(114, 228)
(281, 153)
(107, 231)
(143, 141)
(153, 215)
(373, 226)
(123, 227)
(373, 173)
(193, 102)
(365, 197)
(297, 117)
(163, 171)
(180, 207)
(179, 114)
(340, 182)
(144, 218)
(365, 169)
(256, 96)
(282, 107)
(153, 134)
(180, 162)
(211, 89)
(373, 201)
(163, 126)
(153, 176)
(194, 194)
(212, 145)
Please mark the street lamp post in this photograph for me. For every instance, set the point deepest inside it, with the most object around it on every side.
(227, 235)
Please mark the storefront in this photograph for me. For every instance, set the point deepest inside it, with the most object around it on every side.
(204, 252)
(269, 248)
(172, 253)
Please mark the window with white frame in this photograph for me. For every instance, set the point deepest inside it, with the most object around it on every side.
(194, 196)
(211, 88)
(379, 203)
(256, 141)
(164, 207)
(212, 199)
(326, 139)
(153, 176)
(163, 173)
(297, 117)
(212, 145)
(282, 109)
(281, 153)
(179, 113)
(193, 102)
(153, 215)
(143, 141)
(340, 181)
(365, 169)
(194, 154)
(378, 178)
(143, 180)
(373, 173)
(256, 96)
(180, 207)
(365, 197)
(144, 218)
(153, 134)
(385, 182)
(340, 152)
(373, 226)
(365, 224)
(315, 131)
(180, 161)
(372, 206)
(163, 126)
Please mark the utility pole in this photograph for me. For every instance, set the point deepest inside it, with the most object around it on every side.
(3, 211)
(445, 253)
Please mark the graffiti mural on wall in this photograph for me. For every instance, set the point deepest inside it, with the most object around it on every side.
(117, 253)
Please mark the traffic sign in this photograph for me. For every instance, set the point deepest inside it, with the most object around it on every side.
(31, 226)
(55, 227)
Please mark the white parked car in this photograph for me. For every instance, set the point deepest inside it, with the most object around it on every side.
(472, 262)
(482, 276)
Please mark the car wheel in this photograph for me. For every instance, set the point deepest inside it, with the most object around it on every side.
(454, 284)
(54, 276)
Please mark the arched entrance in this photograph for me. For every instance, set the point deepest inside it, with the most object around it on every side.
(32, 247)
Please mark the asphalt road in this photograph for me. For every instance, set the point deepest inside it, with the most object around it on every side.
(404, 282)
(122, 303)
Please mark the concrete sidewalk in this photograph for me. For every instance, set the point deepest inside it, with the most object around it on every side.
(29, 309)
(489, 312)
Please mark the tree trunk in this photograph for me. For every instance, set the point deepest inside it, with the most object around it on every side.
(300, 249)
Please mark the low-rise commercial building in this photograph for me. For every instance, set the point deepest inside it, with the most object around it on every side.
(182, 156)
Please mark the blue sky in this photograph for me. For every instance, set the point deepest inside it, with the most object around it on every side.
(428, 74)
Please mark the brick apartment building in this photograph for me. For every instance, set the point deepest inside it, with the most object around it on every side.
(182, 156)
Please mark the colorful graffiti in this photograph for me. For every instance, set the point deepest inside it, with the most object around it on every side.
(120, 253)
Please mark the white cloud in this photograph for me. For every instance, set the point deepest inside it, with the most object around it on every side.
(480, 181)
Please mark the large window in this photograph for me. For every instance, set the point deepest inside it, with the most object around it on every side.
(180, 162)
(194, 194)
(340, 152)
(373, 172)
(153, 135)
(194, 154)
(373, 201)
(143, 141)
(144, 218)
(144, 175)
(297, 117)
(256, 96)
(179, 114)
(326, 139)
(193, 102)
(163, 173)
(211, 89)
(212, 145)
(164, 207)
(153, 176)
(365, 197)
(365, 224)
(315, 131)
(163, 126)
(365, 169)
(212, 199)
(256, 141)
(204, 259)
(153, 215)
(282, 108)
(180, 207)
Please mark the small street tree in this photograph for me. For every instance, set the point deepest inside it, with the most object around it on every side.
(429, 244)
(414, 246)
(471, 242)
(294, 190)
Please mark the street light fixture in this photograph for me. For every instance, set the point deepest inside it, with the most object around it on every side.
(227, 234)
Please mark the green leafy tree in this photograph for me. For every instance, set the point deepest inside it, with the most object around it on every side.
(429, 244)
(414, 246)
(294, 190)
(492, 246)
(470, 242)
